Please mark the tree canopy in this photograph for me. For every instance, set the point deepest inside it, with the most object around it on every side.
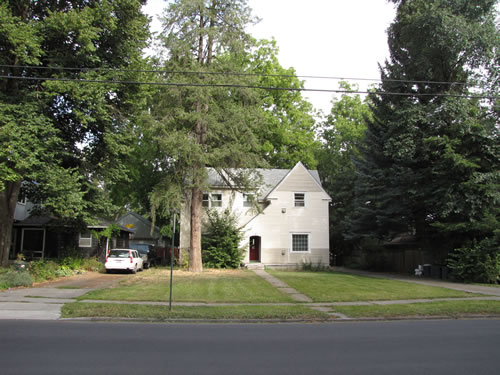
(61, 136)
(429, 163)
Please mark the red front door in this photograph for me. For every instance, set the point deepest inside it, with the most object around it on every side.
(254, 249)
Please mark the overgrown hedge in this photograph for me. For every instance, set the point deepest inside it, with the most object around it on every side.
(26, 273)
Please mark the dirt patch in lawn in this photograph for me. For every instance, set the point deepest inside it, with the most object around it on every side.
(88, 280)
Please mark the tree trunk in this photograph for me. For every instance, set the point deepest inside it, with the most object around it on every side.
(195, 263)
(8, 201)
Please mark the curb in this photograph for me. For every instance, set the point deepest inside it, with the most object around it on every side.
(280, 321)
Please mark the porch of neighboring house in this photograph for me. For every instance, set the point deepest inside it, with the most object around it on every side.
(42, 237)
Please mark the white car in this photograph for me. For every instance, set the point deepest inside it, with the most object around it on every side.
(124, 260)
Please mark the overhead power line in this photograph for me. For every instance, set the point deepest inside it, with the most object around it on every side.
(249, 74)
(182, 84)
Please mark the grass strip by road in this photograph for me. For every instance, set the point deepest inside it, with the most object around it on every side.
(341, 287)
(108, 310)
(451, 309)
(210, 286)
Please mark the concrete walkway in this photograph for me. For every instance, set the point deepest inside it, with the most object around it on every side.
(285, 288)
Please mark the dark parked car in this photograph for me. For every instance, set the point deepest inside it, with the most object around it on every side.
(147, 252)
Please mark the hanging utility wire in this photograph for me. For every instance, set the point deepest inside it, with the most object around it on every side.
(183, 84)
(248, 74)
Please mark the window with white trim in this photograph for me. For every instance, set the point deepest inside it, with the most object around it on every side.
(300, 243)
(85, 239)
(212, 200)
(248, 200)
(299, 199)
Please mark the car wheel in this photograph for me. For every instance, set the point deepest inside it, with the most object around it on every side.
(108, 271)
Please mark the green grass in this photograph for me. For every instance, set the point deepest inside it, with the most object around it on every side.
(341, 287)
(445, 308)
(82, 309)
(210, 286)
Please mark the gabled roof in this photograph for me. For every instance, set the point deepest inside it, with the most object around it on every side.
(271, 178)
(139, 218)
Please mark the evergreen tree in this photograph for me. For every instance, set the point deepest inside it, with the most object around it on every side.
(341, 133)
(430, 159)
(208, 123)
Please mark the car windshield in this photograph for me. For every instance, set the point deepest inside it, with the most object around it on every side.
(118, 254)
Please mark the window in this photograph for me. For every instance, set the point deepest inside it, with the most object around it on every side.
(206, 200)
(300, 242)
(299, 199)
(85, 240)
(216, 200)
(212, 200)
(248, 200)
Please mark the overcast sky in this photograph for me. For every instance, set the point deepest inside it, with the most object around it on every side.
(334, 38)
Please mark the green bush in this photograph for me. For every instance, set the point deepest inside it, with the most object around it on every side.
(13, 278)
(23, 274)
(221, 241)
(479, 262)
(308, 265)
(42, 270)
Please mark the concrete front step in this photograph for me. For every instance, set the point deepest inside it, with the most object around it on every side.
(255, 266)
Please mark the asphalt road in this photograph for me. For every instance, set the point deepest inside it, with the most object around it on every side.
(397, 347)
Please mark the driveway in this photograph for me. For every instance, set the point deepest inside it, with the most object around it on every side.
(45, 300)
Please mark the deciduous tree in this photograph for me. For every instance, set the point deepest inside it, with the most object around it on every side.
(59, 136)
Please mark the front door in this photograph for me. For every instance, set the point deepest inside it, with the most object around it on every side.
(255, 249)
(33, 242)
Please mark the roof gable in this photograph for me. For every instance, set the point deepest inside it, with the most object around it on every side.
(300, 179)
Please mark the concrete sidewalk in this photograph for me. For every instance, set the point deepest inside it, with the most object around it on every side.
(45, 301)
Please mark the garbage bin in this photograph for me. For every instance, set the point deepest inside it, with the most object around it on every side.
(427, 270)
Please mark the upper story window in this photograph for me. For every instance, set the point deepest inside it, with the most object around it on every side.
(248, 200)
(85, 239)
(299, 199)
(212, 200)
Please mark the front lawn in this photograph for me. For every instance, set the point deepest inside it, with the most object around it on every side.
(108, 310)
(341, 287)
(210, 286)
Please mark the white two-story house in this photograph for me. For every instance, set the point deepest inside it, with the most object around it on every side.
(292, 225)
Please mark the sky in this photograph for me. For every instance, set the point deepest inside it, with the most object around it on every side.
(329, 38)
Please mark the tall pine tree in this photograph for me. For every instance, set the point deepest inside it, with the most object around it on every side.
(205, 124)
(430, 159)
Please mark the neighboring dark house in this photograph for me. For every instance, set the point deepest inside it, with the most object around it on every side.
(39, 237)
(141, 229)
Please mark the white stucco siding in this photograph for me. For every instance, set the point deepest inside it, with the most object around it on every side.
(281, 219)
(299, 180)
(231, 200)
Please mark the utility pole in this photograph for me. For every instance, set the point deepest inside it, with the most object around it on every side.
(172, 262)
